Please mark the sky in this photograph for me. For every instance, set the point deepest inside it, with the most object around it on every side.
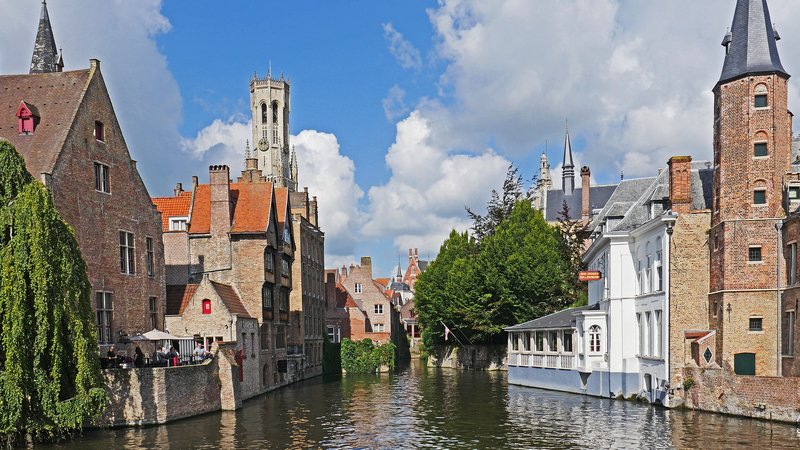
(403, 113)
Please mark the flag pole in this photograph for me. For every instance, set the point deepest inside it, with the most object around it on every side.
(454, 335)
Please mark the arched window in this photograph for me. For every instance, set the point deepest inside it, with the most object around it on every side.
(659, 264)
(275, 112)
(594, 339)
(206, 306)
(263, 113)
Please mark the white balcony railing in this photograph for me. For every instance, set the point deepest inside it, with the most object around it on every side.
(559, 361)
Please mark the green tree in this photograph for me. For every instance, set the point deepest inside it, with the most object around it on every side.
(573, 242)
(499, 206)
(447, 288)
(50, 379)
(525, 270)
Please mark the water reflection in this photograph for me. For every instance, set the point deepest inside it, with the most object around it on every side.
(439, 408)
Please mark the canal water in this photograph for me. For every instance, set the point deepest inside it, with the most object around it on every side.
(420, 407)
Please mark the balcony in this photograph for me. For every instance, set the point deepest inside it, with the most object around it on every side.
(542, 361)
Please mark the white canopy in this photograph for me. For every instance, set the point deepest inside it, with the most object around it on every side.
(157, 335)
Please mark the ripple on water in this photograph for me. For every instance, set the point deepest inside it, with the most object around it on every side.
(418, 407)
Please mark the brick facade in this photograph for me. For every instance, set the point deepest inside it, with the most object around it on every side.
(62, 152)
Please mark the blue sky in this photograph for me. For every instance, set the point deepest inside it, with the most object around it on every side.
(403, 112)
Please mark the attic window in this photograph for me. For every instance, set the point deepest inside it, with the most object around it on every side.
(206, 306)
(99, 131)
(28, 118)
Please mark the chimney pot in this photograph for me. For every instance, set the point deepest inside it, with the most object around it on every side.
(586, 210)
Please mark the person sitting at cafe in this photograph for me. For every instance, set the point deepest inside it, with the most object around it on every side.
(172, 356)
(138, 358)
(199, 352)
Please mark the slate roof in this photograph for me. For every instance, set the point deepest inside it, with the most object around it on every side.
(178, 296)
(753, 42)
(173, 207)
(598, 196)
(45, 53)
(558, 320)
(231, 299)
(631, 200)
(56, 96)
(251, 204)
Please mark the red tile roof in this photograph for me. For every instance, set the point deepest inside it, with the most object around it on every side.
(383, 281)
(178, 297)
(56, 97)
(281, 202)
(231, 299)
(173, 207)
(251, 207)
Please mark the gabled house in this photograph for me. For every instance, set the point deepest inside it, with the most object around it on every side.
(64, 125)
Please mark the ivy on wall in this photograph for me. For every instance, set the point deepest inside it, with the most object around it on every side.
(365, 357)
(50, 380)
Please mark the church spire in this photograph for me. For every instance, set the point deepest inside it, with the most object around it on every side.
(45, 57)
(750, 45)
(568, 167)
(293, 167)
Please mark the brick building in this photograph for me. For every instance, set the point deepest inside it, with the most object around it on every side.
(232, 238)
(752, 150)
(64, 126)
(307, 299)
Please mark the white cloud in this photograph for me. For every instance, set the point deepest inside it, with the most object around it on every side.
(429, 188)
(221, 142)
(330, 176)
(403, 51)
(634, 78)
(123, 36)
(394, 105)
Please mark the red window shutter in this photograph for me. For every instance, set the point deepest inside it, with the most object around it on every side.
(206, 306)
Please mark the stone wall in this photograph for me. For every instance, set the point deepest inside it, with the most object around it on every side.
(470, 357)
(152, 396)
(721, 391)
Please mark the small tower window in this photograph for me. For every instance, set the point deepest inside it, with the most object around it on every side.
(759, 197)
(761, 99)
(263, 113)
(99, 131)
(206, 306)
(754, 254)
(275, 112)
(760, 149)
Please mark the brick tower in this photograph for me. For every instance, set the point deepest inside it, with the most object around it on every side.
(752, 151)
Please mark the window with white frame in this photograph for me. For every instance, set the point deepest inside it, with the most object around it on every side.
(378, 309)
(659, 271)
(594, 339)
(648, 320)
(515, 342)
(178, 223)
(358, 288)
(640, 322)
(648, 274)
(127, 263)
(658, 333)
(526, 341)
(552, 341)
(639, 277)
(378, 328)
(333, 334)
(539, 341)
(105, 310)
(101, 182)
(151, 260)
(566, 341)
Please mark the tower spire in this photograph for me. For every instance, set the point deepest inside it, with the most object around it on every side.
(293, 167)
(751, 44)
(45, 57)
(568, 167)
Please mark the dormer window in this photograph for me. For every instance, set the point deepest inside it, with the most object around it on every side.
(99, 131)
(28, 117)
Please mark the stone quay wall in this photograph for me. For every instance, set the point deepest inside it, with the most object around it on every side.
(719, 390)
(470, 357)
(150, 396)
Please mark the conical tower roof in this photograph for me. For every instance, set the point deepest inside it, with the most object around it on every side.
(45, 57)
(751, 43)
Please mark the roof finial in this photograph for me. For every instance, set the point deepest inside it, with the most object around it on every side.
(269, 74)
(247, 149)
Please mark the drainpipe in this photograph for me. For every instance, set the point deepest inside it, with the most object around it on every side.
(778, 229)
(667, 305)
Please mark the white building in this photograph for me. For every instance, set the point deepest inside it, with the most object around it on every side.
(618, 344)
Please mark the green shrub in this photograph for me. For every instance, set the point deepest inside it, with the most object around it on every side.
(364, 357)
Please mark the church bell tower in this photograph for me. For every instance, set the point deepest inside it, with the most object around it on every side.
(270, 104)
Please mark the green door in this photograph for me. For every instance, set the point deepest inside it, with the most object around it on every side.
(744, 363)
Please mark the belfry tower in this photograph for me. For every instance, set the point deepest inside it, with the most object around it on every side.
(270, 104)
(752, 152)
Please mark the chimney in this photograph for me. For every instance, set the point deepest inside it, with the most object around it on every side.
(680, 183)
(314, 213)
(194, 181)
(178, 189)
(219, 176)
(586, 210)
(366, 262)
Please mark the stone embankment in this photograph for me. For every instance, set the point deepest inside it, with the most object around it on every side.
(469, 357)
